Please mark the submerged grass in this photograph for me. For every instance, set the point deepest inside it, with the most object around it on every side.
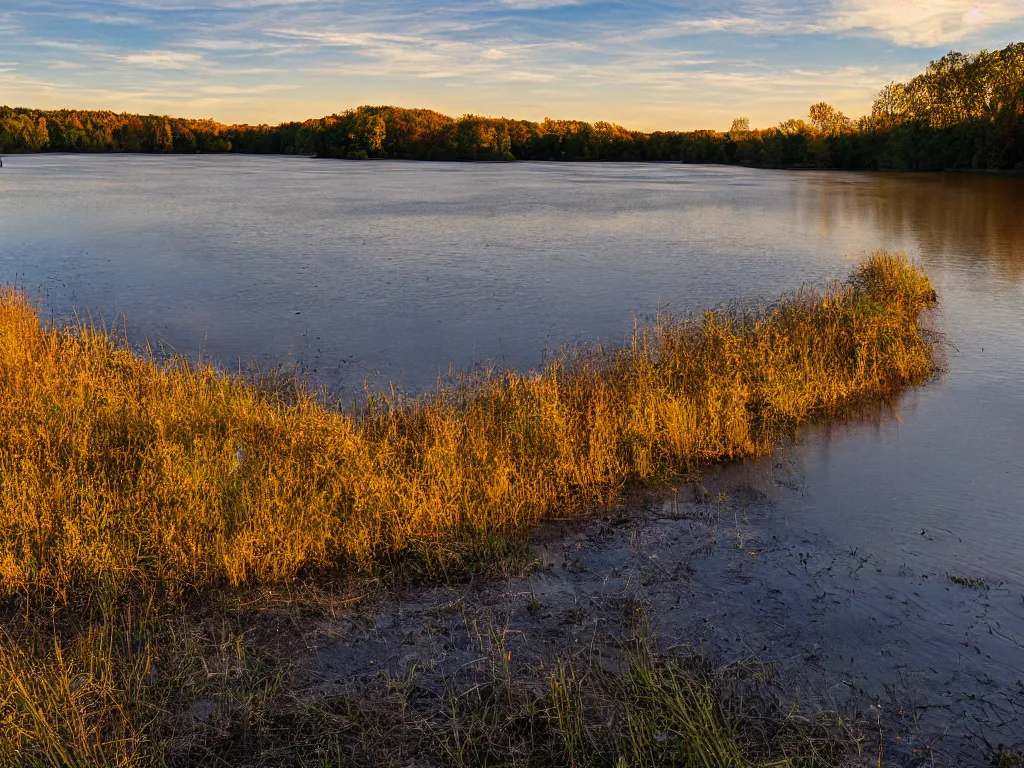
(120, 472)
(967, 581)
(134, 491)
(219, 699)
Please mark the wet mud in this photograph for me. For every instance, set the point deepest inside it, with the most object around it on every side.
(717, 567)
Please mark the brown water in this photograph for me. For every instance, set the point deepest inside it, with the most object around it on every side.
(393, 270)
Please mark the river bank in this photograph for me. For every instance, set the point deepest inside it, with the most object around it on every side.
(717, 571)
(138, 486)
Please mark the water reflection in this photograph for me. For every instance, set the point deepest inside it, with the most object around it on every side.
(958, 218)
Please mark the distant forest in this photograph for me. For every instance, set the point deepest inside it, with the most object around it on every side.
(963, 112)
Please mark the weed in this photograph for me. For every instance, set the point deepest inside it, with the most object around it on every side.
(967, 581)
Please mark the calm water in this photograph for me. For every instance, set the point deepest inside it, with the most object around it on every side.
(394, 270)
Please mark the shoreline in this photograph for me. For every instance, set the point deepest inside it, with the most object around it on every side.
(873, 171)
(196, 599)
(696, 571)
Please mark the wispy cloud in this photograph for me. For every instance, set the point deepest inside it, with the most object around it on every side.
(644, 63)
(234, 46)
(162, 59)
(533, 5)
(520, 76)
(755, 25)
(7, 24)
(925, 22)
(72, 45)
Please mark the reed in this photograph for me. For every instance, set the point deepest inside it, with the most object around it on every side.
(121, 472)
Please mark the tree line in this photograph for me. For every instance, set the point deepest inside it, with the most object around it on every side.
(72, 130)
(964, 111)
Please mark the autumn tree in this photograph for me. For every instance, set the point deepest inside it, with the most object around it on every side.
(829, 120)
(740, 126)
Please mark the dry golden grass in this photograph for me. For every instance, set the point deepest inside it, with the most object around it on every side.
(119, 472)
(127, 482)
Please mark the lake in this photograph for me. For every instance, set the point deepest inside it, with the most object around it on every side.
(391, 271)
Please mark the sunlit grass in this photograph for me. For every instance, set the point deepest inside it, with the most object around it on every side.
(130, 485)
(120, 472)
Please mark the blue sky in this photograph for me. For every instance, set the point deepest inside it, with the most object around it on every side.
(642, 63)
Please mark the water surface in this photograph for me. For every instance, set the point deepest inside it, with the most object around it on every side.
(394, 270)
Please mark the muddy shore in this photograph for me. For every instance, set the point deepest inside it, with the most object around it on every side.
(717, 568)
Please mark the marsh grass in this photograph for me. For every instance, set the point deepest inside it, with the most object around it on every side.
(647, 708)
(1008, 759)
(119, 472)
(212, 696)
(140, 494)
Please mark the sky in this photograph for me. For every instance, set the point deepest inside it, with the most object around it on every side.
(646, 64)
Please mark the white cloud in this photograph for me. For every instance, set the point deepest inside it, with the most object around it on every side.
(231, 90)
(912, 23)
(521, 76)
(7, 23)
(533, 5)
(348, 40)
(924, 22)
(72, 45)
(769, 24)
(108, 18)
(233, 46)
(163, 59)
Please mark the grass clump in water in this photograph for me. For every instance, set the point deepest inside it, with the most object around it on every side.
(1008, 759)
(121, 473)
(967, 581)
(130, 485)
